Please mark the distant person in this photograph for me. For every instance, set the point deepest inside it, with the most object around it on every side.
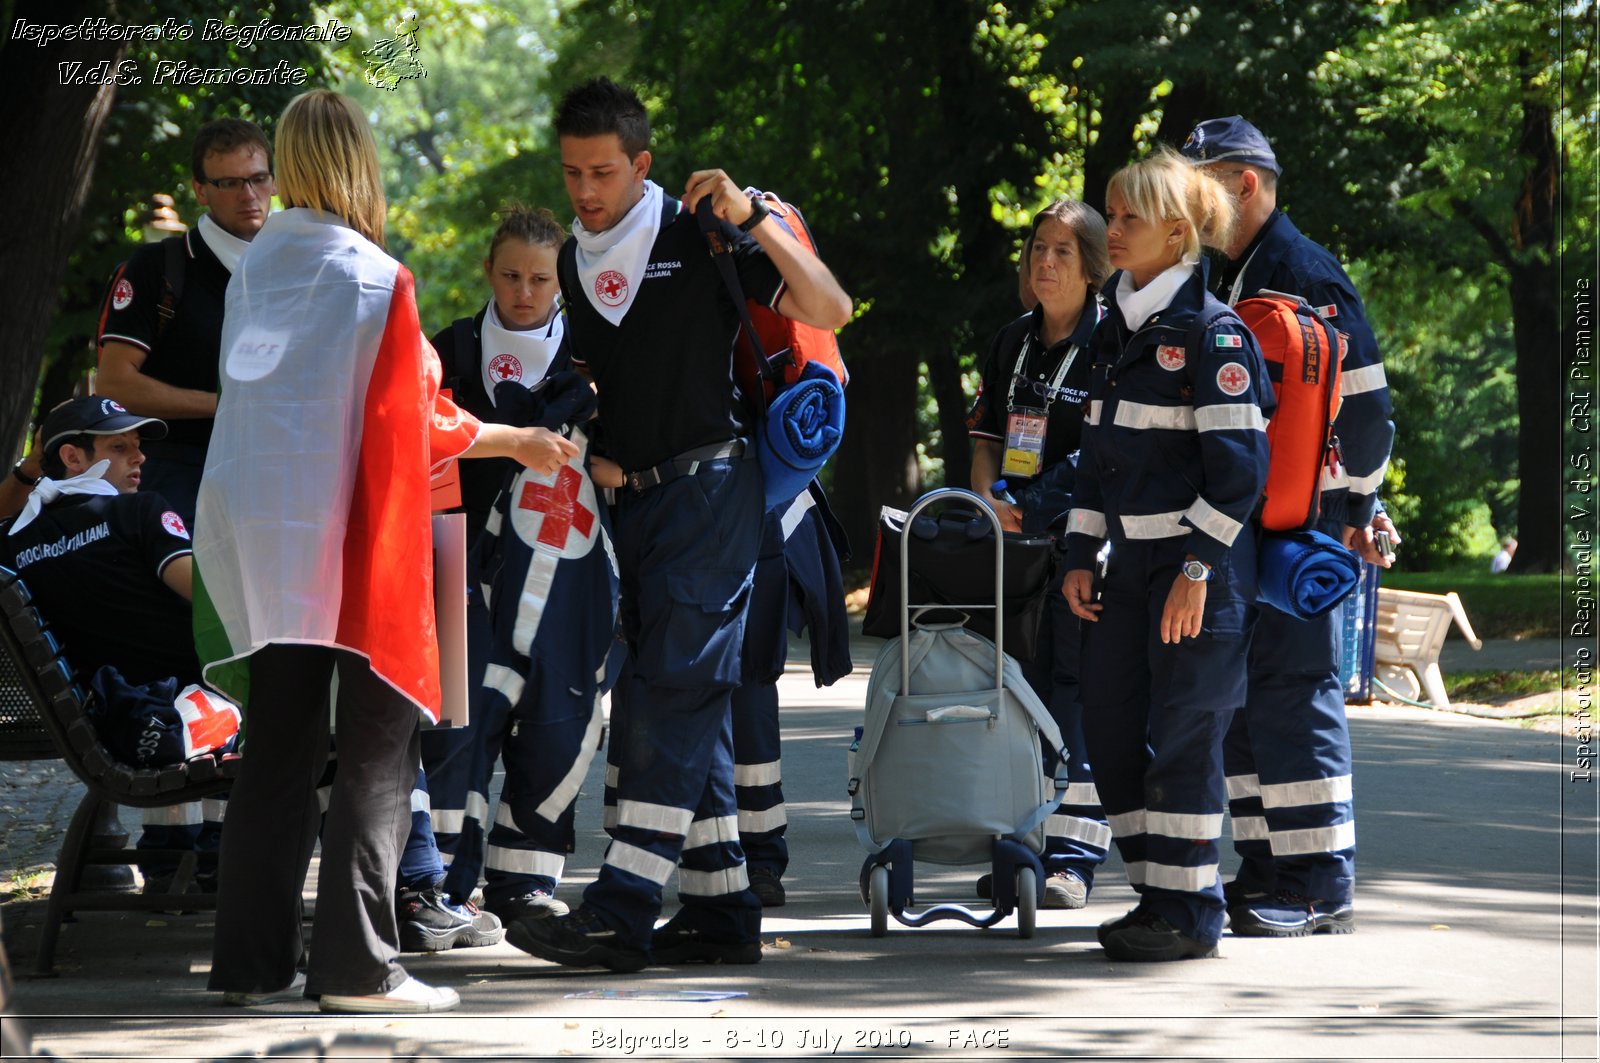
(161, 325)
(1508, 550)
(314, 555)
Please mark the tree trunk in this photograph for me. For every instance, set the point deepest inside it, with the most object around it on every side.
(944, 376)
(877, 462)
(52, 136)
(1536, 325)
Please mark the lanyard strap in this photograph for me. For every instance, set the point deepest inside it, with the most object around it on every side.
(1062, 370)
(1238, 282)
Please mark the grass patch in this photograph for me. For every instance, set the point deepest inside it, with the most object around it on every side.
(1492, 688)
(1500, 606)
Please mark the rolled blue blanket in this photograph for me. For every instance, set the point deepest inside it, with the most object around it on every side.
(802, 429)
(1305, 574)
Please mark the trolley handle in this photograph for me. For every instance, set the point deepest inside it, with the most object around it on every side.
(975, 501)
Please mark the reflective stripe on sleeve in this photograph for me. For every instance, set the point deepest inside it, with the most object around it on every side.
(1087, 522)
(1142, 415)
(1221, 418)
(1360, 381)
(1221, 527)
(1153, 525)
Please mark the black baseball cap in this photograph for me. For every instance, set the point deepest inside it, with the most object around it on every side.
(96, 415)
(1230, 140)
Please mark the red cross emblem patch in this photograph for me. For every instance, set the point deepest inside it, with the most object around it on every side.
(504, 367)
(122, 294)
(1233, 379)
(611, 288)
(549, 509)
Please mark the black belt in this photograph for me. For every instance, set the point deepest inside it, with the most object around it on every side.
(685, 464)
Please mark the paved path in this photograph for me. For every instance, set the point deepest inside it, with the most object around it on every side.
(1477, 914)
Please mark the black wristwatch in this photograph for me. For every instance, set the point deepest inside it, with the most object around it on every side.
(16, 470)
(758, 213)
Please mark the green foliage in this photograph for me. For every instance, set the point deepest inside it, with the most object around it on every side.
(1451, 488)
(466, 140)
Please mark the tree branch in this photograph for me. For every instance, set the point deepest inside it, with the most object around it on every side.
(1497, 243)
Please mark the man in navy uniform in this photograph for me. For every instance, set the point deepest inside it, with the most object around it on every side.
(651, 322)
(1287, 753)
(161, 327)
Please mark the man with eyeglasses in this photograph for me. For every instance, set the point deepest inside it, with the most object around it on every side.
(161, 326)
(1287, 753)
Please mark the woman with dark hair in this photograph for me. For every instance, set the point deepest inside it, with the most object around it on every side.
(1025, 428)
(313, 557)
(1174, 458)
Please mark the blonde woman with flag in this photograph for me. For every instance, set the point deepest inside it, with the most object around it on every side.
(313, 558)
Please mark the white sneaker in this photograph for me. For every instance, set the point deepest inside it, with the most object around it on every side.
(295, 990)
(409, 996)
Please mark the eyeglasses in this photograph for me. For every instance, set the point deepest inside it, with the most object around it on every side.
(233, 184)
(1045, 391)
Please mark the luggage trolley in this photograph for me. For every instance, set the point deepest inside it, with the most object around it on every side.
(951, 772)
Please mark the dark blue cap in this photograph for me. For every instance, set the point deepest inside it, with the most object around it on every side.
(1230, 140)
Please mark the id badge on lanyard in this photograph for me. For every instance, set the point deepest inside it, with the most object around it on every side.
(1024, 443)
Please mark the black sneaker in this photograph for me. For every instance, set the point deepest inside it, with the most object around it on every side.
(535, 904)
(1290, 915)
(675, 943)
(1128, 918)
(430, 923)
(765, 884)
(577, 940)
(1145, 937)
(1237, 898)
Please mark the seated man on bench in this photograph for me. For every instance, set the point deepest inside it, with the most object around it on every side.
(110, 569)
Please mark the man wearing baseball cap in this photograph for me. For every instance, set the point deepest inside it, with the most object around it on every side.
(1287, 754)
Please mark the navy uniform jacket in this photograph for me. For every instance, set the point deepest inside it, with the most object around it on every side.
(1282, 259)
(1175, 441)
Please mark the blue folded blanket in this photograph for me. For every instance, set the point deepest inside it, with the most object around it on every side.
(803, 426)
(1305, 574)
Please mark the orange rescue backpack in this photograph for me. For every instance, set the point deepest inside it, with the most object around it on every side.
(1303, 352)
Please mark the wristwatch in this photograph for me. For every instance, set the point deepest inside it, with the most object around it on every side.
(1196, 570)
(758, 212)
(16, 470)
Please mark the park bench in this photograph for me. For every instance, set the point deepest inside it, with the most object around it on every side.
(40, 694)
(1411, 628)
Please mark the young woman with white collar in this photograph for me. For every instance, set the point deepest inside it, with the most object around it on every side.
(1173, 462)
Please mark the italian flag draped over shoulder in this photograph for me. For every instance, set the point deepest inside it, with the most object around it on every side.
(313, 519)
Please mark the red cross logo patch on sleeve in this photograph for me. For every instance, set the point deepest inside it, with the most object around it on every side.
(174, 524)
(611, 288)
(122, 294)
(1233, 379)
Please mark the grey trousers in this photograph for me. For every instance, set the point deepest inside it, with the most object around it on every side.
(273, 817)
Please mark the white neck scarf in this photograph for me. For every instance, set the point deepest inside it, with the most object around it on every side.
(1137, 306)
(46, 491)
(521, 355)
(611, 264)
(227, 247)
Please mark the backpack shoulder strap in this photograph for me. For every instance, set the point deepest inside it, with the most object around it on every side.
(723, 257)
(175, 262)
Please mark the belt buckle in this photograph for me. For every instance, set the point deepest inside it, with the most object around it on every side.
(635, 483)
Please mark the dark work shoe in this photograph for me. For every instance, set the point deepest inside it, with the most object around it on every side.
(1128, 918)
(430, 923)
(535, 904)
(1289, 915)
(1145, 937)
(765, 884)
(1063, 889)
(577, 940)
(1237, 898)
(675, 943)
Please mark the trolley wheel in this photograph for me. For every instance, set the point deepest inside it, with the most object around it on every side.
(878, 900)
(1027, 902)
